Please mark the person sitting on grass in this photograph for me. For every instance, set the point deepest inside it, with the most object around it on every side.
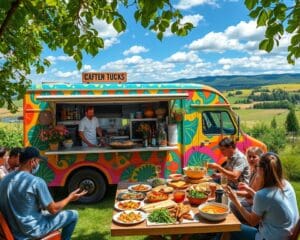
(24, 196)
(236, 168)
(11, 162)
(274, 206)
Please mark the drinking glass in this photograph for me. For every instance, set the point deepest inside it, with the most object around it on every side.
(224, 181)
(178, 196)
(213, 188)
(158, 170)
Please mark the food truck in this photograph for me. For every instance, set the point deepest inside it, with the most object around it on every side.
(140, 131)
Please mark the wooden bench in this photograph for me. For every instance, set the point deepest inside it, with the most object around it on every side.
(6, 234)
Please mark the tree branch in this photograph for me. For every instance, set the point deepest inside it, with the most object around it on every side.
(9, 14)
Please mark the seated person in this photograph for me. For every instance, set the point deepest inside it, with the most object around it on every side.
(236, 168)
(11, 162)
(274, 206)
(248, 191)
(24, 195)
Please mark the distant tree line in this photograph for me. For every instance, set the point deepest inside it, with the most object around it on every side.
(276, 105)
(275, 95)
(276, 98)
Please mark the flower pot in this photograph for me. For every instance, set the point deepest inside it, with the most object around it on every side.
(53, 146)
(68, 144)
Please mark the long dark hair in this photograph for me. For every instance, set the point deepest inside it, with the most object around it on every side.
(272, 168)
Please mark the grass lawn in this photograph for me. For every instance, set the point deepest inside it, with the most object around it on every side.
(95, 219)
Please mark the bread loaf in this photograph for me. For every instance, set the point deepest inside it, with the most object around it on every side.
(163, 204)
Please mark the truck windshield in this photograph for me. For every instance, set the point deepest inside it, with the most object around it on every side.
(217, 122)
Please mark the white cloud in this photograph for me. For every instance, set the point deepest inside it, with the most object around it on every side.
(183, 57)
(54, 59)
(67, 74)
(245, 30)
(215, 42)
(135, 50)
(242, 37)
(187, 4)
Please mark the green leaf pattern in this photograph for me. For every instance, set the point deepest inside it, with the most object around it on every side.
(143, 172)
(190, 129)
(45, 172)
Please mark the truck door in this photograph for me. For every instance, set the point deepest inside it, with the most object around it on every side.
(215, 125)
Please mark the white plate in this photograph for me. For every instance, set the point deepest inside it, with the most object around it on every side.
(117, 205)
(117, 215)
(148, 188)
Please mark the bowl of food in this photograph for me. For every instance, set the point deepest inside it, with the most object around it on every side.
(196, 197)
(213, 211)
(194, 172)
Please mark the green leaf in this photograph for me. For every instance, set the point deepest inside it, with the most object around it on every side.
(265, 3)
(52, 3)
(174, 27)
(119, 25)
(279, 11)
(250, 4)
(255, 12)
(266, 44)
(262, 18)
(160, 35)
(295, 39)
(137, 16)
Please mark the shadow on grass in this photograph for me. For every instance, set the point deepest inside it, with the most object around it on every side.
(93, 236)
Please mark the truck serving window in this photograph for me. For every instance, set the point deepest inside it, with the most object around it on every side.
(217, 122)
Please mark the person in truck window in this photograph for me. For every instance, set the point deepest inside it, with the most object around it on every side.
(236, 168)
(24, 196)
(11, 162)
(89, 128)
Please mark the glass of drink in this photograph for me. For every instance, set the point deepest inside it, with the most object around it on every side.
(158, 170)
(178, 196)
(224, 181)
(213, 188)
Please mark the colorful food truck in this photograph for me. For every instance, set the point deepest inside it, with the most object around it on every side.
(135, 119)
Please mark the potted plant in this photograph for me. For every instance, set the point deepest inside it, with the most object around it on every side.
(177, 115)
(54, 135)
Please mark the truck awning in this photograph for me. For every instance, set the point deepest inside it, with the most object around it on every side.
(117, 98)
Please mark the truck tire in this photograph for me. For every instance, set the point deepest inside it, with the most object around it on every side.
(89, 180)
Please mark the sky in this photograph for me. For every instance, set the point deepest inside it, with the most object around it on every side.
(224, 42)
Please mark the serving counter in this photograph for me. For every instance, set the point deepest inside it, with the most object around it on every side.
(80, 150)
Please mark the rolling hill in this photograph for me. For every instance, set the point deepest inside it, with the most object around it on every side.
(231, 82)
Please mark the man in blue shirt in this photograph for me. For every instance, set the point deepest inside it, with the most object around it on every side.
(24, 196)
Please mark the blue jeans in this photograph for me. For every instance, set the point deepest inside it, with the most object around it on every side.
(65, 220)
(247, 233)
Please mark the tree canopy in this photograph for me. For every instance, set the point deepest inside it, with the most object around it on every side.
(26, 26)
(278, 17)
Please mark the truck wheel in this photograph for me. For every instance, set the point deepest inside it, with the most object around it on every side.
(89, 180)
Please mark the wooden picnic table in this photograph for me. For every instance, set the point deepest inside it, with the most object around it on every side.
(231, 223)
